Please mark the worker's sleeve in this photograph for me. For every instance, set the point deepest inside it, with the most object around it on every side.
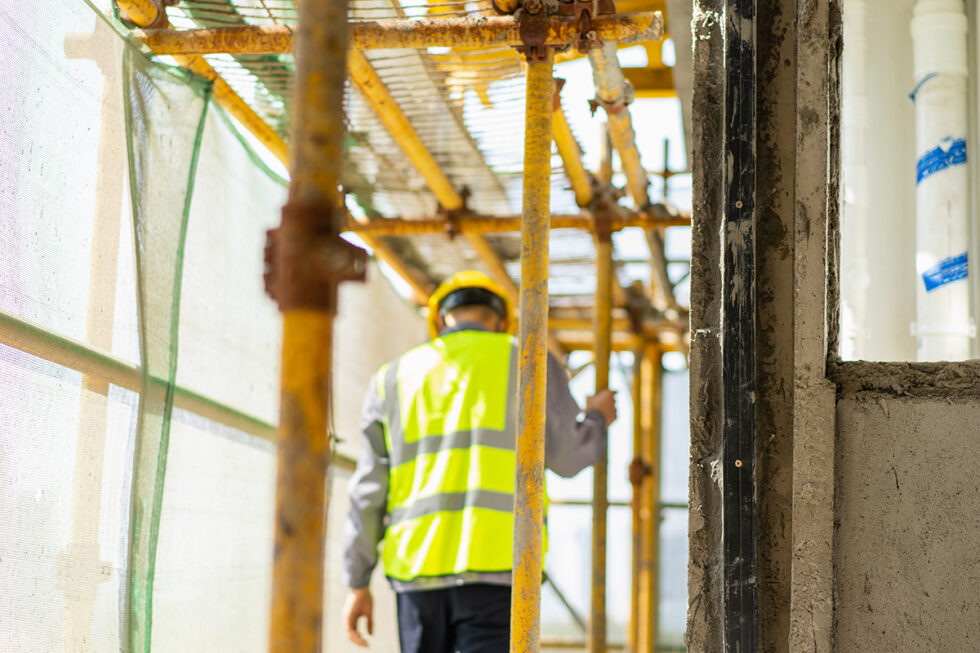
(571, 443)
(368, 496)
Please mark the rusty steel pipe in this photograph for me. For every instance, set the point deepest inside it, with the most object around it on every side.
(596, 637)
(304, 446)
(484, 224)
(498, 31)
(529, 481)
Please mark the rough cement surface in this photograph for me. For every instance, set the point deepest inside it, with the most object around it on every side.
(775, 188)
(864, 379)
(704, 616)
(907, 562)
(817, 175)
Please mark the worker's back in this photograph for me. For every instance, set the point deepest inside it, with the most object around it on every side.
(450, 432)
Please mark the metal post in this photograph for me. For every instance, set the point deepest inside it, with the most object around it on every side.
(650, 500)
(600, 500)
(636, 499)
(307, 260)
(529, 490)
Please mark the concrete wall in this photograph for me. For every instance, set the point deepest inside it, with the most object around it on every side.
(907, 566)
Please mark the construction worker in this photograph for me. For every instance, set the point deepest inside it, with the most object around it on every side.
(435, 477)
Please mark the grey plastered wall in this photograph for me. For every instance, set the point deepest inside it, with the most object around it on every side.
(907, 546)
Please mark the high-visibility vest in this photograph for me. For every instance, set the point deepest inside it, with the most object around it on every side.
(450, 440)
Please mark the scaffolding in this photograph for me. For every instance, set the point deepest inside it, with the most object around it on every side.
(377, 108)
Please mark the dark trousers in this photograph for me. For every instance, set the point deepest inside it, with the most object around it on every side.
(464, 619)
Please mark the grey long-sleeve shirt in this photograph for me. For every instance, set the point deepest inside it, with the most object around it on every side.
(571, 445)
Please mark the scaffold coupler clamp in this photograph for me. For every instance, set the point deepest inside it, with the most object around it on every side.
(306, 259)
(453, 216)
(638, 471)
(533, 27)
(585, 11)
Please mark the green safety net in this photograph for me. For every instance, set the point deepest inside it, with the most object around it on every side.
(165, 112)
(139, 355)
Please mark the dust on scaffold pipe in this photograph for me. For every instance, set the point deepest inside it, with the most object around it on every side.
(600, 502)
(306, 261)
(529, 490)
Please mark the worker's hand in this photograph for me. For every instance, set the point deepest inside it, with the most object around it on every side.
(359, 604)
(605, 402)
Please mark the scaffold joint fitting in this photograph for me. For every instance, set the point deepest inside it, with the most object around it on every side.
(638, 471)
(306, 259)
(533, 27)
(585, 11)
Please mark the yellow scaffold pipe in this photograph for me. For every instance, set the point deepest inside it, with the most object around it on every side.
(401, 33)
(368, 81)
(529, 484)
(468, 224)
(307, 296)
(650, 501)
(596, 639)
(144, 13)
(569, 152)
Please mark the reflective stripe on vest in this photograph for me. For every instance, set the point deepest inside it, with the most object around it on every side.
(450, 439)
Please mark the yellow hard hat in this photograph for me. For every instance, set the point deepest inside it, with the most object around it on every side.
(469, 279)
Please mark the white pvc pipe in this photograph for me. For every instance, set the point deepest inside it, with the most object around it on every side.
(944, 327)
(854, 225)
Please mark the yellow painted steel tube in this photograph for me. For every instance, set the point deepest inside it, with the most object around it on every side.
(650, 535)
(369, 83)
(571, 157)
(230, 101)
(301, 500)
(600, 501)
(636, 499)
(144, 12)
(376, 93)
(484, 224)
(304, 446)
(400, 33)
(529, 482)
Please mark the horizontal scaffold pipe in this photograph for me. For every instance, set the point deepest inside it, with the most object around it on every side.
(90, 361)
(499, 31)
(483, 224)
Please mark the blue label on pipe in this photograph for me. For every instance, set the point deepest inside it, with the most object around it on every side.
(946, 271)
(950, 152)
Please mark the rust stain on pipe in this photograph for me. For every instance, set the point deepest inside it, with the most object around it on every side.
(400, 33)
(529, 483)
(145, 13)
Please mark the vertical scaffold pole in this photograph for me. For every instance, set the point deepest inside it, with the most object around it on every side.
(306, 261)
(636, 500)
(529, 491)
(650, 500)
(600, 500)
